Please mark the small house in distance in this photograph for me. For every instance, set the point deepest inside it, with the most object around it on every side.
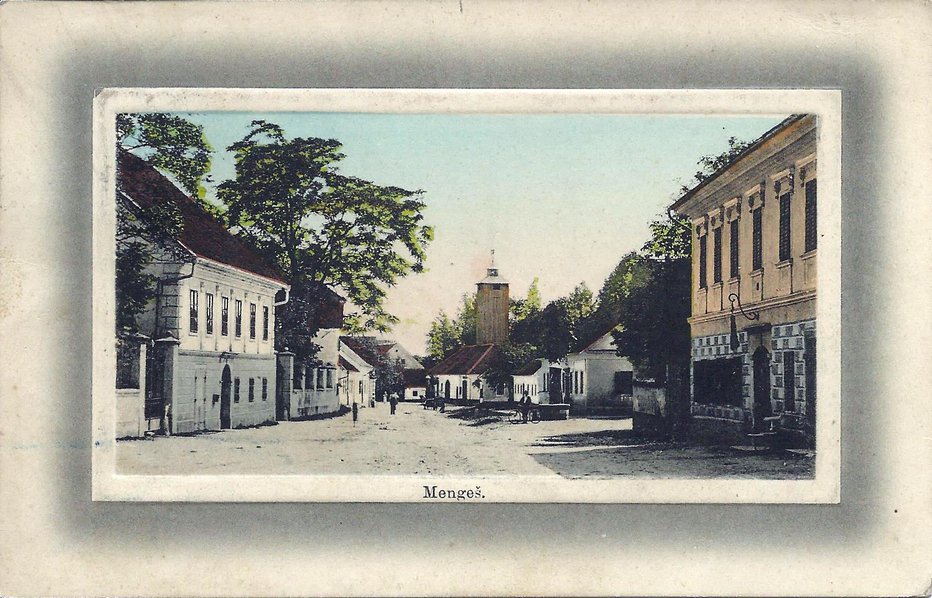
(531, 380)
(357, 375)
(462, 374)
(598, 380)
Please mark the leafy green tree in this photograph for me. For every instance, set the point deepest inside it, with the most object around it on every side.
(556, 330)
(524, 316)
(322, 227)
(710, 164)
(506, 363)
(443, 338)
(179, 149)
(670, 238)
(466, 317)
(170, 143)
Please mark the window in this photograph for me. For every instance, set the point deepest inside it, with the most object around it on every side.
(733, 250)
(265, 389)
(360, 388)
(252, 389)
(225, 316)
(329, 378)
(624, 383)
(581, 385)
(703, 282)
(192, 313)
(758, 245)
(265, 322)
(320, 378)
(785, 227)
(717, 255)
(811, 236)
(717, 381)
(789, 377)
(238, 322)
(252, 320)
(209, 324)
(236, 390)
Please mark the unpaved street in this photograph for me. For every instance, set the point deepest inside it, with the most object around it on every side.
(416, 441)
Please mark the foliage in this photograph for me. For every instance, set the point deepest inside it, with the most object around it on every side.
(322, 227)
(671, 237)
(506, 363)
(654, 318)
(179, 148)
(710, 164)
(169, 143)
(443, 338)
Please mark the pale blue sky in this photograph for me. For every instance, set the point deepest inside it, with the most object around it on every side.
(560, 197)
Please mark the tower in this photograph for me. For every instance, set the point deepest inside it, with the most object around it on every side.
(492, 307)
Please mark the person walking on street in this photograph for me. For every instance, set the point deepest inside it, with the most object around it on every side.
(355, 412)
(393, 402)
(442, 405)
(525, 407)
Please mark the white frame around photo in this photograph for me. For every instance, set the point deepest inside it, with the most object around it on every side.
(109, 485)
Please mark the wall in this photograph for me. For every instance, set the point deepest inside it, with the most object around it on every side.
(196, 397)
(491, 313)
(130, 422)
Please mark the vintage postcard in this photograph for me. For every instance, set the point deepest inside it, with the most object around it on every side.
(470, 296)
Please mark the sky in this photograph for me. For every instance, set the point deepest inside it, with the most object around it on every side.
(560, 197)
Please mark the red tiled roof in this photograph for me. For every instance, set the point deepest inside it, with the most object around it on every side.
(202, 234)
(471, 359)
(345, 365)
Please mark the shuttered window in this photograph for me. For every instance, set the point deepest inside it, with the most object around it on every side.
(717, 255)
(811, 236)
(192, 312)
(758, 242)
(703, 279)
(785, 227)
(733, 250)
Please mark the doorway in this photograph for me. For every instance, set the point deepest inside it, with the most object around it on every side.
(225, 383)
(465, 389)
(446, 389)
(762, 409)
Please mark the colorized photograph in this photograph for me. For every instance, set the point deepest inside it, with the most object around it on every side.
(568, 295)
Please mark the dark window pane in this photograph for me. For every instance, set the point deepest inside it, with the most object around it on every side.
(252, 320)
(265, 322)
(703, 282)
(192, 319)
(785, 227)
(236, 390)
(209, 324)
(758, 253)
(717, 255)
(811, 233)
(224, 316)
(238, 322)
(717, 382)
(733, 257)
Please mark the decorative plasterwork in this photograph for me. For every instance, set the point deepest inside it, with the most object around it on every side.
(807, 168)
(715, 217)
(701, 225)
(783, 181)
(755, 196)
(732, 209)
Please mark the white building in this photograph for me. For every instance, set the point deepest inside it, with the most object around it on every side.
(213, 363)
(532, 379)
(462, 374)
(597, 379)
(357, 378)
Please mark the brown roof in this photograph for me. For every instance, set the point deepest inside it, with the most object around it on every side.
(202, 234)
(530, 368)
(345, 365)
(364, 347)
(415, 377)
(471, 359)
(587, 342)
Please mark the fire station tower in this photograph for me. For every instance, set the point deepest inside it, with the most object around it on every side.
(492, 308)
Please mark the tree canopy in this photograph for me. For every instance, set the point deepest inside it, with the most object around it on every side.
(321, 226)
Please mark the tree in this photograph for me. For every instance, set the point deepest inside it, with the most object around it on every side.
(443, 338)
(556, 330)
(710, 164)
(670, 238)
(466, 319)
(524, 316)
(322, 227)
(178, 148)
(170, 143)
(507, 360)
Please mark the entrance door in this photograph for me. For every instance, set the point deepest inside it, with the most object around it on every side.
(225, 383)
(446, 389)
(762, 408)
(465, 389)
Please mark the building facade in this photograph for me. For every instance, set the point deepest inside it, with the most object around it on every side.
(212, 365)
(357, 378)
(754, 244)
(532, 380)
(597, 379)
(462, 375)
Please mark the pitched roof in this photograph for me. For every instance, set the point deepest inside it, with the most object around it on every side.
(471, 359)
(415, 377)
(346, 365)
(587, 342)
(363, 347)
(529, 369)
(202, 234)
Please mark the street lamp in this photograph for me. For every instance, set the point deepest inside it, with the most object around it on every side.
(733, 298)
